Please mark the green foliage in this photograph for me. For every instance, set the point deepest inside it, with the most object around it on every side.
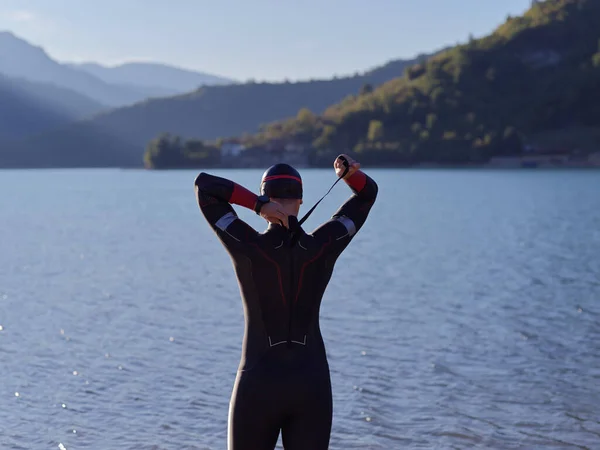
(366, 89)
(170, 152)
(375, 132)
(536, 72)
(306, 117)
(431, 121)
(414, 72)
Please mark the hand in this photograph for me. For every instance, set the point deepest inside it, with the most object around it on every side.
(339, 166)
(274, 213)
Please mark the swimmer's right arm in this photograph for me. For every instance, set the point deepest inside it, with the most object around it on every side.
(215, 195)
(222, 190)
(211, 189)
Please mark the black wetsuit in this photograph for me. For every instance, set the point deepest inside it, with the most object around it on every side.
(283, 381)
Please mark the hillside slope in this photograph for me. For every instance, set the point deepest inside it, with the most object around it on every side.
(27, 108)
(535, 73)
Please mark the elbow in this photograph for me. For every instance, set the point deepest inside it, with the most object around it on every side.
(213, 186)
(375, 189)
(371, 189)
(201, 181)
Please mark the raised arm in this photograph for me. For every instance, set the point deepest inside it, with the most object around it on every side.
(215, 196)
(351, 216)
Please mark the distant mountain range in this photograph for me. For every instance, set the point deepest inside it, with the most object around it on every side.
(207, 113)
(535, 73)
(158, 80)
(113, 87)
(39, 94)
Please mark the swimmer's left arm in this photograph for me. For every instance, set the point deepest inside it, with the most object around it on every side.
(352, 215)
(354, 212)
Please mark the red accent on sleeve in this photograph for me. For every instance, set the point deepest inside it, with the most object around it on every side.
(243, 197)
(357, 181)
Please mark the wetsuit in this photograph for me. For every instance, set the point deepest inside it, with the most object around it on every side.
(283, 381)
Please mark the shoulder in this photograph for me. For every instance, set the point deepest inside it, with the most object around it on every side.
(337, 227)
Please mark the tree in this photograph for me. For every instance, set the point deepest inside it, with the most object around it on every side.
(375, 132)
(305, 116)
(449, 135)
(472, 42)
(511, 142)
(170, 152)
(163, 151)
(431, 121)
(416, 128)
(366, 89)
(414, 72)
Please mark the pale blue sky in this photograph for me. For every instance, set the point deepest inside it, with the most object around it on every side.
(260, 39)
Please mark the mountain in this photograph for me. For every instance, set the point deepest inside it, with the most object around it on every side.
(20, 59)
(27, 107)
(208, 113)
(157, 79)
(535, 76)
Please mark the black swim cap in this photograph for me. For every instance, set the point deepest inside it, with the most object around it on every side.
(281, 181)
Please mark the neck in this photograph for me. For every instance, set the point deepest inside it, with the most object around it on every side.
(292, 221)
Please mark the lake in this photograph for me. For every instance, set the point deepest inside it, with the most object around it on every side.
(465, 314)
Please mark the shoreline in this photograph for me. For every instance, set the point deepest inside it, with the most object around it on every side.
(479, 167)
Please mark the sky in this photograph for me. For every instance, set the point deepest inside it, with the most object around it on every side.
(268, 40)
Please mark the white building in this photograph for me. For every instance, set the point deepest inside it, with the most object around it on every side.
(231, 150)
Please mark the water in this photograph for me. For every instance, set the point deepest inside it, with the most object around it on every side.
(466, 313)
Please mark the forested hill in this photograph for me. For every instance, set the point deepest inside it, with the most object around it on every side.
(208, 113)
(535, 73)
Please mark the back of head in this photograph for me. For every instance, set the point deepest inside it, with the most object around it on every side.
(281, 181)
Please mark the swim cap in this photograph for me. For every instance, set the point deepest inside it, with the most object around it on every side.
(281, 181)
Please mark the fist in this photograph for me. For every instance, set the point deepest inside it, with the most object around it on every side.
(273, 212)
(340, 168)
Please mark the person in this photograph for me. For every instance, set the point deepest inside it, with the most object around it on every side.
(283, 380)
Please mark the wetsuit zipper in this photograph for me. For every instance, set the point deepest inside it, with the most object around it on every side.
(291, 290)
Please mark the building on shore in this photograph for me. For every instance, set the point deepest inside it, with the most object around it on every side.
(275, 151)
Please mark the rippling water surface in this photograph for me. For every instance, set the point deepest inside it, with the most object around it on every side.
(466, 313)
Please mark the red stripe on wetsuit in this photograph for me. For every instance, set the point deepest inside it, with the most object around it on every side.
(357, 181)
(277, 266)
(243, 197)
(306, 265)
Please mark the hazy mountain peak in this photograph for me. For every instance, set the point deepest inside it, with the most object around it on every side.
(10, 43)
(152, 75)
